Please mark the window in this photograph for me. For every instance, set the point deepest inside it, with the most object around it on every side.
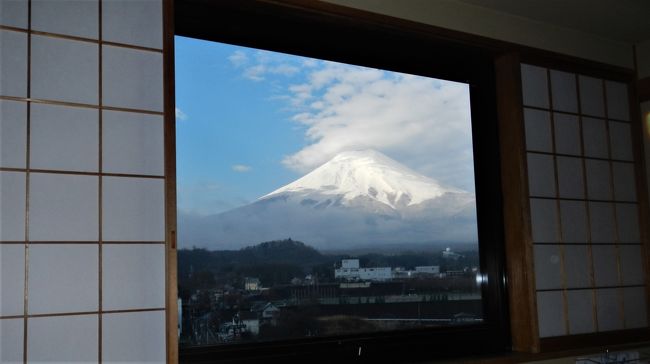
(483, 329)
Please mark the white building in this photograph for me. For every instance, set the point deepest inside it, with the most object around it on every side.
(251, 321)
(252, 284)
(428, 269)
(449, 254)
(350, 263)
(351, 271)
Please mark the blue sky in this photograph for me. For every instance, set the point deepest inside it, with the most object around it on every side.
(251, 121)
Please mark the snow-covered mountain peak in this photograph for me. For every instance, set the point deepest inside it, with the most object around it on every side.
(368, 174)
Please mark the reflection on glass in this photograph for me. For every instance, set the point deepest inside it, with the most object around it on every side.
(318, 198)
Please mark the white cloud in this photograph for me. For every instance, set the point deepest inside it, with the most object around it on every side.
(180, 115)
(260, 64)
(238, 58)
(422, 122)
(255, 73)
(284, 69)
(309, 63)
(241, 168)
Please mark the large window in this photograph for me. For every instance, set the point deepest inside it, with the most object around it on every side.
(338, 207)
(317, 198)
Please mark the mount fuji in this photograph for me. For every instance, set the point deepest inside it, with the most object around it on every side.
(358, 198)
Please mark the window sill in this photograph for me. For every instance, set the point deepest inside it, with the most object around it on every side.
(558, 357)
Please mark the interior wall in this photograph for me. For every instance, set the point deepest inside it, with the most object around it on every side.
(455, 15)
(82, 227)
(643, 59)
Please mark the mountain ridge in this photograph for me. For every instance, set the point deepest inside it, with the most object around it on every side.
(367, 173)
(356, 198)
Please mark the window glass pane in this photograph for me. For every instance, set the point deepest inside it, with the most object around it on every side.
(320, 199)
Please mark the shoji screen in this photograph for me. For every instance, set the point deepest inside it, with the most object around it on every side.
(82, 203)
(588, 253)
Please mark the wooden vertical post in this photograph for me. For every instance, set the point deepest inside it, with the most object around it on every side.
(171, 279)
(516, 207)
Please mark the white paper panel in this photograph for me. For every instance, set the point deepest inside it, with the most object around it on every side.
(64, 70)
(133, 22)
(541, 175)
(133, 276)
(567, 134)
(601, 216)
(64, 138)
(12, 206)
(621, 141)
(592, 98)
(132, 78)
(631, 257)
(574, 221)
(636, 309)
(609, 310)
(13, 13)
(63, 339)
(605, 265)
(599, 185)
(136, 337)
(581, 319)
(543, 215)
(624, 181)
(538, 130)
(548, 265)
(594, 132)
(70, 17)
(563, 89)
(570, 177)
(12, 279)
(534, 86)
(63, 278)
(13, 63)
(627, 216)
(550, 314)
(13, 133)
(11, 340)
(618, 102)
(63, 207)
(133, 209)
(577, 266)
(133, 143)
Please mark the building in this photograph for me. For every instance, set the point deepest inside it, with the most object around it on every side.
(429, 269)
(269, 311)
(251, 321)
(449, 254)
(252, 284)
(351, 271)
(350, 263)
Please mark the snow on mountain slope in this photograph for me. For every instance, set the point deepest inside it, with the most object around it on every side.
(357, 198)
(367, 174)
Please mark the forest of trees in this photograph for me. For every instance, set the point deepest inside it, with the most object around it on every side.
(278, 262)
